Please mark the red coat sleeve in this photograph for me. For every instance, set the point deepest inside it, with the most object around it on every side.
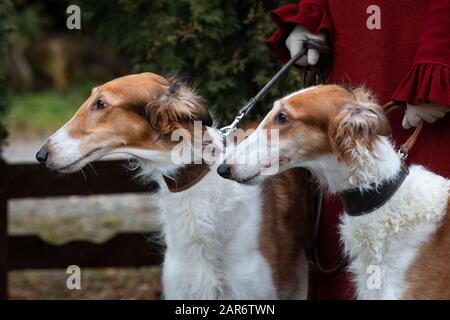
(429, 78)
(311, 14)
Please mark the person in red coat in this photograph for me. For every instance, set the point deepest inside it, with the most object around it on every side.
(400, 50)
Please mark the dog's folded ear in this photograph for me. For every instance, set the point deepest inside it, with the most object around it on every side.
(357, 126)
(176, 107)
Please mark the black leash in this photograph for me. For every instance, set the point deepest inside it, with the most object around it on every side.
(320, 45)
(323, 48)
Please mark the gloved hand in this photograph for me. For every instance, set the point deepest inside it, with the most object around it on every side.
(428, 112)
(294, 43)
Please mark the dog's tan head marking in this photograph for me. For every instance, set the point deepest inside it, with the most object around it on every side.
(135, 114)
(326, 120)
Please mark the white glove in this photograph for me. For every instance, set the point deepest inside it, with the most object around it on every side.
(428, 112)
(294, 43)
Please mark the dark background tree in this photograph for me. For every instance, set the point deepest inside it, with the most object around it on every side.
(5, 30)
(219, 45)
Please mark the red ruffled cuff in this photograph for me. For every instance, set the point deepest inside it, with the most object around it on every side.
(311, 14)
(426, 82)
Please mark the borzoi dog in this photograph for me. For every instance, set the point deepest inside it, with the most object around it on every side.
(396, 225)
(224, 240)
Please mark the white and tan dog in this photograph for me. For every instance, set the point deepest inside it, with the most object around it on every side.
(399, 250)
(224, 240)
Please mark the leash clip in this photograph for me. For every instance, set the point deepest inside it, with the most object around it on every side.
(402, 154)
(225, 131)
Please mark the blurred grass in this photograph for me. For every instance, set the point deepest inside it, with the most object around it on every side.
(46, 111)
(109, 283)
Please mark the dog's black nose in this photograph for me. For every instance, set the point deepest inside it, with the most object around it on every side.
(42, 155)
(224, 170)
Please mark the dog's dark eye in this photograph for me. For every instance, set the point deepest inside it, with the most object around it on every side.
(282, 117)
(100, 104)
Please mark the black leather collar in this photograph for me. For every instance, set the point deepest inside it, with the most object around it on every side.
(357, 203)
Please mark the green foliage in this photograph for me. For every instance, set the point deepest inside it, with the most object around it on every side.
(5, 29)
(29, 21)
(218, 44)
(50, 108)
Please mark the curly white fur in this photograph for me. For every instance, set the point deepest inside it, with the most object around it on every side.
(389, 237)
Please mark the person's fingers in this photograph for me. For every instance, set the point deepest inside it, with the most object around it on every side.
(309, 59)
(303, 61)
(294, 47)
(313, 56)
(414, 121)
(405, 122)
(294, 44)
(440, 114)
(427, 117)
(437, 112)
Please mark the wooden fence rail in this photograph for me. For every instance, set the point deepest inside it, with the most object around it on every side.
(19, 252)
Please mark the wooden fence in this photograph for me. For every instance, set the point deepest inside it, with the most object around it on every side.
(19, 252)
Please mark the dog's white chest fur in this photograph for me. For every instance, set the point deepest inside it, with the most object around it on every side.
(381, 245)
(212, 234)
